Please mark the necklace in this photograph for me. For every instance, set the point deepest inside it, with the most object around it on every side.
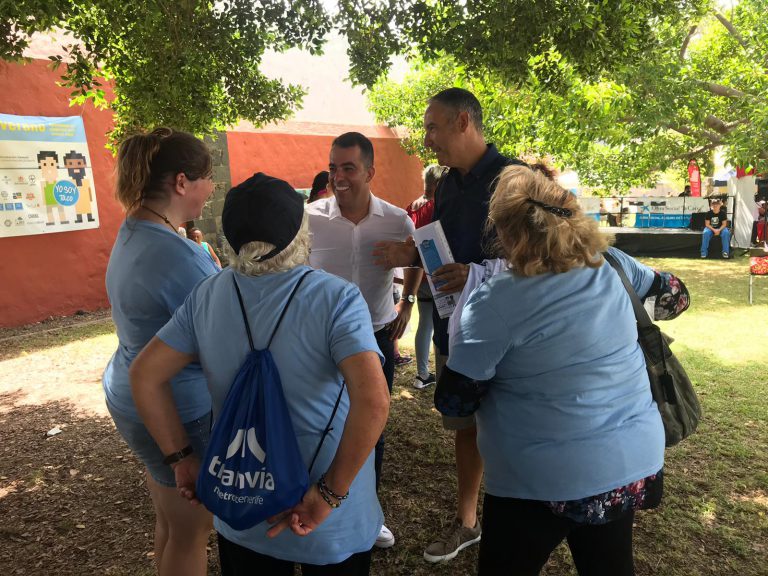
(162, 217)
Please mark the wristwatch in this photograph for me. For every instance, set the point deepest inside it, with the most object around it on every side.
(410, 299)
(178, 456)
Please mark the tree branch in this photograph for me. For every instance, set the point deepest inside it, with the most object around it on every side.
(687, 40)
(720, 90)
(686, 131)
(732, 30)
(690, 154)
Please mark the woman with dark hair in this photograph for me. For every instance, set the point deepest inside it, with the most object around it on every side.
(321, 187)
(163, 180)
(546, 356)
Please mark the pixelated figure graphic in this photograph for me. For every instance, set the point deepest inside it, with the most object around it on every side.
(49, 166)
(75, 164)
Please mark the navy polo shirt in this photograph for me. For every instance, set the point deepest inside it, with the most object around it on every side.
(461, 206)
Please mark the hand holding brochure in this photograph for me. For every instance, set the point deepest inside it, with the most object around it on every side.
(435, 252)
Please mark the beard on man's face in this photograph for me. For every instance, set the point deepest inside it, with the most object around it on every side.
(77, 174)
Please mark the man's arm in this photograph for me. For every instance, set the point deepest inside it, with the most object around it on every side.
(392, 254)
(724, 222)
(411, 281)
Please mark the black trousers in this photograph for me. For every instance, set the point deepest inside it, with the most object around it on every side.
(519, 536)
(387, 348)
(237, 560)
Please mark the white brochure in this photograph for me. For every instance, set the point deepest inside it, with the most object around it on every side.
(435, 252)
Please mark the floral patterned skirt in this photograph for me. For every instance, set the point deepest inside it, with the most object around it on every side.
(612, 505)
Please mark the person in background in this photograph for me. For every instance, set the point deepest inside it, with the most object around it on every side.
(758, 224)
(163, 180)
(326, 333)
(421, 211)
(572, 441)
(686, 191)
(397, 294)
(182, 231)
(196, 235)
(716, 224)
(321, 187)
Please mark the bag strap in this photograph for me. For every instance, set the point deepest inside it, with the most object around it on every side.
(328, 426)
(282, 314)
(641, 314)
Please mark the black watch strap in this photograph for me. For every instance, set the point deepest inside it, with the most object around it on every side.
(410, 298)
(180, 455)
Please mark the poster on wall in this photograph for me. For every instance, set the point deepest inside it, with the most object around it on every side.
(46, 179)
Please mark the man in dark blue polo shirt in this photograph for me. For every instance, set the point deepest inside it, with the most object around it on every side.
(454, 132)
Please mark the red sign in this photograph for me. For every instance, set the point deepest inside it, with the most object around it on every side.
(694, 176)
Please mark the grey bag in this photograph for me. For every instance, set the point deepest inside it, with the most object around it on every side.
(671, 388)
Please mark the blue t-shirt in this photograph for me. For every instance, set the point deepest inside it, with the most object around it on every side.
(151, 271)
(569, 412)
(327, 321)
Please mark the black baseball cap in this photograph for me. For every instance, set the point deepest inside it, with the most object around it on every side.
(264, 209)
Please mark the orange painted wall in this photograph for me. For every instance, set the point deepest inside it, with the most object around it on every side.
(296, 158)
(57, 274)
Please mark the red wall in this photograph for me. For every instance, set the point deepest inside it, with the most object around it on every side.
(296, 158)
(57, 274)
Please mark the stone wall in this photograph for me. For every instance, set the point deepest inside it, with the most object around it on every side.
(210, 222)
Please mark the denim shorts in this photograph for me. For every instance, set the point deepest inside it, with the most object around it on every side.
(144, 447)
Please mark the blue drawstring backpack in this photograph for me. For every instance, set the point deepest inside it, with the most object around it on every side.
(253, 468)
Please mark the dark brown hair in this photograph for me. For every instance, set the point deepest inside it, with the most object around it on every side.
(148, 163)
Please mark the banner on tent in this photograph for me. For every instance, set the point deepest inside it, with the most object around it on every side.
(46, 180)
(644, 211)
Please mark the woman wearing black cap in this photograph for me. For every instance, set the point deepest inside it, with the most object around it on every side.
(322, 340)
(163, 180)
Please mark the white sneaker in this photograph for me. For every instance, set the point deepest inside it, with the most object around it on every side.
(385, 539)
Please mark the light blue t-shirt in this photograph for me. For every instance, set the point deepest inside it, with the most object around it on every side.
(151, 271)
(569, 412)
(327, 322)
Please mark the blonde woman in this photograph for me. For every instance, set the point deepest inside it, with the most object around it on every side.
(546, 356)
(163, 180)
(325, 337)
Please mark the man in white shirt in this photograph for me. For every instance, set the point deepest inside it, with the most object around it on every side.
(345, 228)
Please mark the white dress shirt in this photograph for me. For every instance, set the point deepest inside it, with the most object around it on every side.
(346, 249)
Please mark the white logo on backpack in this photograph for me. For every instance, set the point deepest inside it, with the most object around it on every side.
(256, 479)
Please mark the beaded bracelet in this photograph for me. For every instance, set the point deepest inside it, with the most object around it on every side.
(327, 498)
(322, 483)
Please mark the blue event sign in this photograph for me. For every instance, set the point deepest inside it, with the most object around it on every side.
(42, 128)
(66, 193)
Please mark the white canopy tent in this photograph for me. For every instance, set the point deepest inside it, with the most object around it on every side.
(743, 191)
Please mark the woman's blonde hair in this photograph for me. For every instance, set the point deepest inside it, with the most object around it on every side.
(295, 254)
(540, 226)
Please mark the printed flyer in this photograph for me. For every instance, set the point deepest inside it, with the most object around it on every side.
(46, 180)
(435, 252)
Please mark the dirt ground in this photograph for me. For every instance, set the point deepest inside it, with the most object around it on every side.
(75, 502)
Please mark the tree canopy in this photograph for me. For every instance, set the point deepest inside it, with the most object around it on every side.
(195, 64)
(188, 64)
(701, 86)
(504, 35)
